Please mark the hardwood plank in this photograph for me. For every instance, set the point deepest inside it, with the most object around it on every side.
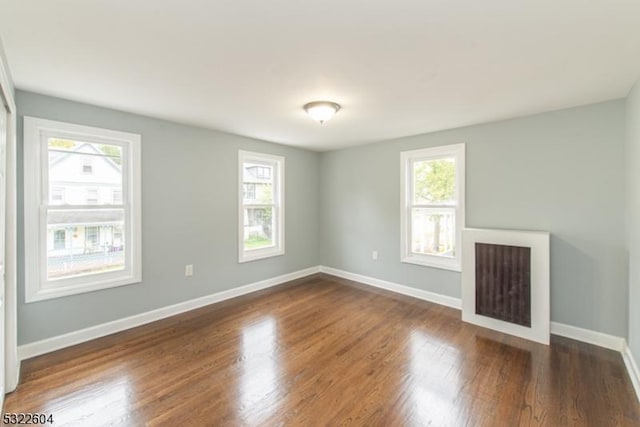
(326, 351)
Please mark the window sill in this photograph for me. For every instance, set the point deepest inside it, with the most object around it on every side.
(247, 256)
(46, 293)
(442, 264)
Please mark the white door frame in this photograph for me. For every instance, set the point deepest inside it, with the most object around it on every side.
(12, 363)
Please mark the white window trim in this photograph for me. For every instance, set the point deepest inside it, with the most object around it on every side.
(37, 287)
(278, 187)
(406, 183)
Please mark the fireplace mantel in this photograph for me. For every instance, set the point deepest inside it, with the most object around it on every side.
(505, 281)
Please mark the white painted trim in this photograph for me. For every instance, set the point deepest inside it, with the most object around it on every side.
(395, 287)
(12, 362)
(600, 339)
(5, 84)
(37, 287)
(579, 334)
(37, 348)
(632, 369)
(406, 196)
(278, 206)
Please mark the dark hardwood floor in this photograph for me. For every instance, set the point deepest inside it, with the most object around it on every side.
(326, 351)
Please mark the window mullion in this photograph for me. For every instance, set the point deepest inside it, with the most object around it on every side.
(259, 205)
(422, 206)
(83, 207)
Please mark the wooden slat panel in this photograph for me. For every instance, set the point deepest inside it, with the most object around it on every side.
(503, 282)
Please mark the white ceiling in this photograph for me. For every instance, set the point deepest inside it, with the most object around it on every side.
(397, 67)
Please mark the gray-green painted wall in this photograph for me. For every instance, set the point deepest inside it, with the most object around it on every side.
(633, 219)
(561, 171)
(189, 216)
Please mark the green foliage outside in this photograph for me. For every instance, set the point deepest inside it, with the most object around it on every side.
(435, 183)
(257, 242)
(113, 152)
(61, 143)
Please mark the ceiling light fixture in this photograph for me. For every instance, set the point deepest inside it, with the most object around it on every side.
(321, 111)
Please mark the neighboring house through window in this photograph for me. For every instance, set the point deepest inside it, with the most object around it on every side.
(432, 203)
(87, 165)
(116, 197)
(91, 196)
(59, 239)
(249, 191)
(57, 195)
(91, 238)
(261, 206)
(78, 238)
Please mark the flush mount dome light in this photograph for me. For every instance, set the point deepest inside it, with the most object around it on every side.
(321, 111)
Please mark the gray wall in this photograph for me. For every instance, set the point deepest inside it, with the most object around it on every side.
(189, 205)
(633, 219)
(561, 171)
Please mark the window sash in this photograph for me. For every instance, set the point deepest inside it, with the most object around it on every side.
(411, 179)
(47, 207)
(53, 284)
(437, 210)
(44, 160)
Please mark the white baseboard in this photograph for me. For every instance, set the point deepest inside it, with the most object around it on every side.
(600, 339)
(591, 337)
(37, 348)
(632, 368)
(395, 287)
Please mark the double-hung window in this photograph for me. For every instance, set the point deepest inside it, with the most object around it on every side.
(261, 206)
(77, 238)
(432, 206)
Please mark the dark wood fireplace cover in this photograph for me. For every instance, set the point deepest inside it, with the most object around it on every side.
(503, 282)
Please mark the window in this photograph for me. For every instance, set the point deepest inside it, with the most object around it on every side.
(249, 191)
(116, 197)
(91, 238)
(261, 206)
(116, 239)
(263, 173)
(59, 239)
(87, 165)
(57, 195)
(91, 196)
(77, 239)
(432, 214)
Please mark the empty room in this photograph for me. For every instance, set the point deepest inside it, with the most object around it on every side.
(279, 213)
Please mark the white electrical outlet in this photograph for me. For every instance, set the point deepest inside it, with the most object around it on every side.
(188, 270)
(374, 255)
